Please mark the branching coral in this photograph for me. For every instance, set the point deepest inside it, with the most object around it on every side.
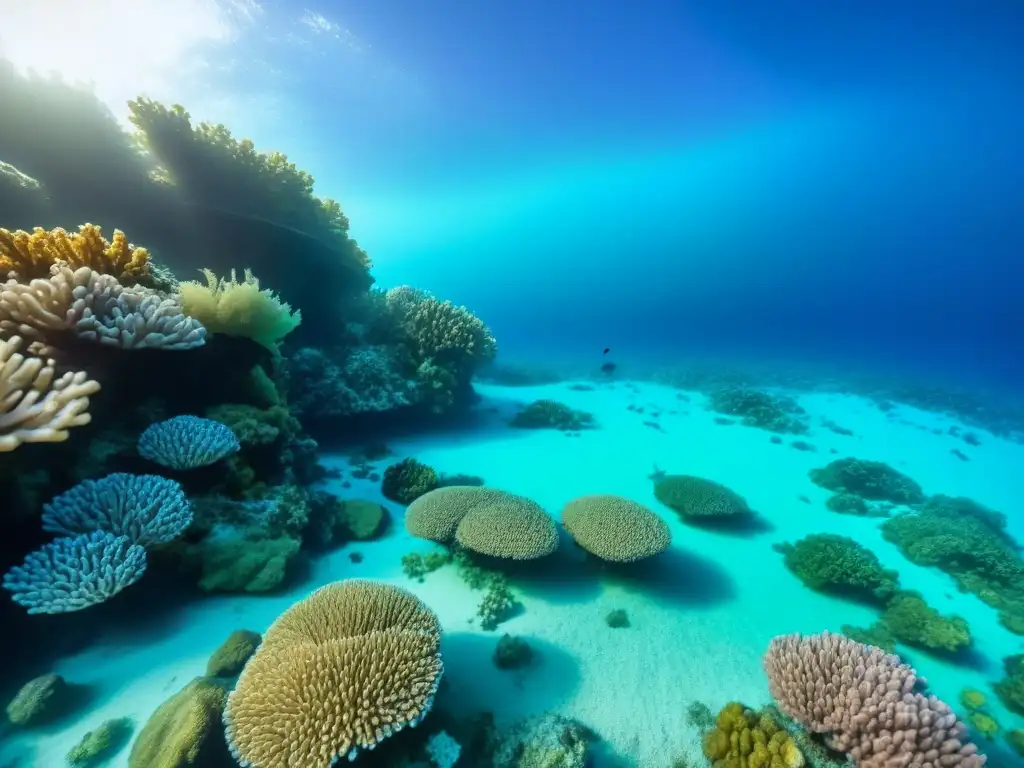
(37, 406)
(96, 307)
(435, 326)
(31, 255)
(235, 308)
(187, 442)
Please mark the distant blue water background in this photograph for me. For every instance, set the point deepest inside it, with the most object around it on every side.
(809, 181)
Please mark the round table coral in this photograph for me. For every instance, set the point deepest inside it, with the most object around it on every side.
(615, 528)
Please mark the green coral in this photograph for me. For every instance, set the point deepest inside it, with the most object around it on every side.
(743, 738)
(101, 743)
(851, 504)
(1015, 738)
(871, 480)
(1010, 689)
(185, 730)
(972, 699)
(984, 724)
(498, 603)
(913, 622)
(407, 480)
(231, 655)
(416, 566)
(245, 565)
(878, 635)
(40, 700)
(364, 519)
(696, 498)
(512, 653)
(830, 563)
(759, 409)
(550, 414)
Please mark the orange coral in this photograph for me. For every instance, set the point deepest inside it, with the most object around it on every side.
(30, 256)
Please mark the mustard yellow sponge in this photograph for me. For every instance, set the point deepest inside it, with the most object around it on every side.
(742, 738)
(28, 256)
(235, 308)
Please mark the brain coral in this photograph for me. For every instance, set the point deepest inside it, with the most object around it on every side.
(695, 497)
(508, 526)
(614, 528)
(338, 672)
(436, 515)
(866, 701)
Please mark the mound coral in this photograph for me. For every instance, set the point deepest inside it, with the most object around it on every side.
(37, 406)
(187, 442)
(239, 308)
(614, 528)
(147, 509)
(407, 480)
(507, 526)
(695, 497)
(865, 702)
(96, 307)
(231, 655)
(1011, 688)
(32, 255)
(337, 673)
(912, 621)
(747, 738)
(435, 515)
(871, 480)
(39, 700)
(838, 564)
(184, 730)
(73, 573)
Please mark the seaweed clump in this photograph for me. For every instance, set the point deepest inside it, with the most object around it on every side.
(550, 414)
(871, 480)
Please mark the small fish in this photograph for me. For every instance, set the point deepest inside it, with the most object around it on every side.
(607, 350)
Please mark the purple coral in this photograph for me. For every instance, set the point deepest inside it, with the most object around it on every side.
(865, 701)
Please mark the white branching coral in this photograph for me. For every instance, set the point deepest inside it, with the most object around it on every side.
(37, 406)
(97, 308)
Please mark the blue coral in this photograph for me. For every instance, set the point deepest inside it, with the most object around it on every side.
(147, 509)
(70, 574)
(187, 442)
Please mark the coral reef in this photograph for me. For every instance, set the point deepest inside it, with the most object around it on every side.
(27, 256)
(825, 681)
(871, 480)
(545, 741)
(695, 498)
(759, 409)
(407, 480)
(913, 622)
(550, 414)
(614, 528)
(337, 673)
(838, 564)
(1010, 689)
(39, 700)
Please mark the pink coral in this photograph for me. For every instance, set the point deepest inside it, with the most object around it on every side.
(865, 701)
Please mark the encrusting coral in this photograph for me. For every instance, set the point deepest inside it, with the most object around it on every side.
(235, 308)
(36, 405)
(866, 702)
(28, 256)
(338, 672)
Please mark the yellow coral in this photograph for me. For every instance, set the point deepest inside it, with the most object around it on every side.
(745, 739)
(30, 256)
(239, 308)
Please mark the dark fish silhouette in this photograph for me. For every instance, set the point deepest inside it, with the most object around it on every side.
(607, 350)
(608, 369)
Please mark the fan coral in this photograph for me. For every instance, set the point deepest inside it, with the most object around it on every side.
(239, 308)
(614, 528)
(31, 256)
(148, 509)
(187, 442)
(865, 701)
(35, 407)
(70, 574)
(508, 526)
(96, 307)
(338, 672)
(436, 515)
(695, 497)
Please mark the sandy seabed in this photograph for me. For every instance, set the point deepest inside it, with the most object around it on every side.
(701, 615)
